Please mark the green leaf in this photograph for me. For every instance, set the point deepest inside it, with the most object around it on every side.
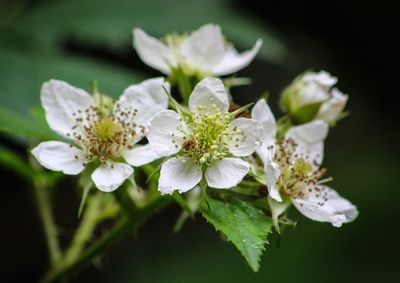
(29, 125)
(13, 161)
(246, 226)
(103, 22)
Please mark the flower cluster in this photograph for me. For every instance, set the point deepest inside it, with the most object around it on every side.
(204, 142)
(293, 173)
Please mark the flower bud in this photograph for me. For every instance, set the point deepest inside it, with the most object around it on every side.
(332, 110)
(311, 97)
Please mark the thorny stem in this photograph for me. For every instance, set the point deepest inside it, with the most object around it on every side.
(126, 224)
(50, 229)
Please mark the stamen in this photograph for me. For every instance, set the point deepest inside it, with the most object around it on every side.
(104, 135)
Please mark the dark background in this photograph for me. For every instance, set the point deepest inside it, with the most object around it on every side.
(356, 43)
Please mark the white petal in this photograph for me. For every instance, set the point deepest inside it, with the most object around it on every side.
(322, 78)
(261, 112)
(234, 61)
(110, 175)
(272, 173)
(249, 139)
(209, 92)
(179, 174)
(267, 149)
(309, 138)
(331, 109)
(226, 173)
(204, 48)
(328, 206)
(147, 98)
(60, 100)
(60, 156)
(166, 133)
(153, 52)
(140, 155)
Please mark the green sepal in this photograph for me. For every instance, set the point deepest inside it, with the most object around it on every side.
(277, 209)
(306, 113)
(183, 203)
(86, 183)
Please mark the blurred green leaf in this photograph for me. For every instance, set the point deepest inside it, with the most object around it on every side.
(30, 125)
(107, 22)
(22, 73)
(13, 161)
(246, 226)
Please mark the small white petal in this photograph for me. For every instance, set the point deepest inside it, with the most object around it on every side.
(261, 112)
(209, 92)
(249, 139)
(234, 61)
(60, 100)
(179, 174)
(331, 109)
(148, 98)
(153, 52)
(60, 156)
(272, 173)
(322, 78)
(140, 155)
(309, 138)
(204, 48)
(226, 173)
(335, 209)
(110, 175)
(166, 133)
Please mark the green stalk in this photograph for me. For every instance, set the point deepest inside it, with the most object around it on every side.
(124, 226)
(49, 227)
(85, 230)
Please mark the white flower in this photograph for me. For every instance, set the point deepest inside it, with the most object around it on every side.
(292, 168)
(206, 139)
(204, 52)
(312, 96)
(104, 132)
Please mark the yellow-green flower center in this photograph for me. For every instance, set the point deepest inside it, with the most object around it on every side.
(104, 133)
(298, 178)
(208, 136)
(106, 129)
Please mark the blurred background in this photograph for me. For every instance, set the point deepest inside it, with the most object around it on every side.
(78, 41)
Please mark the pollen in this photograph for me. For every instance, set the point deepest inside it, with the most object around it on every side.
(105, 135)
(298, 177)
(106, 129)
(208, 136)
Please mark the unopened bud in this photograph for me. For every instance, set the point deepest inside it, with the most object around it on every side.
(311, 97)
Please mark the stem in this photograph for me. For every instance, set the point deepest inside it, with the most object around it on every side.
(85, 230)
(123, 226)
(184, 84)
(46, 215)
